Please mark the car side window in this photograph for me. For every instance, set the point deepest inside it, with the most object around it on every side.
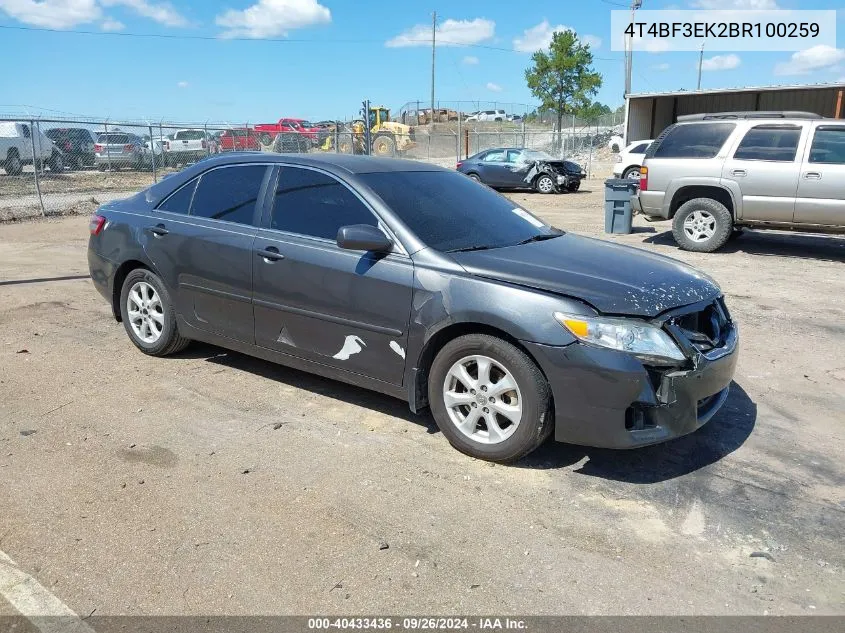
(778, 143)
(494, 157)
(180, 200)
(696, 140)
(828, 146)
(311, 203)
(514, 156)
(641, 148)
(25, 130)
(229, 193)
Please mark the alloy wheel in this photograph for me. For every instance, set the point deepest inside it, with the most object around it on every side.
(146, 314)
(700, 226)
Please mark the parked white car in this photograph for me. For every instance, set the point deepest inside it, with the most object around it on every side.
(188, 146)
(629, 160)
(488, 115)
(616, 143)
(16, 141)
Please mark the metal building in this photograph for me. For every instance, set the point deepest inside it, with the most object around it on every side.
(646, 115)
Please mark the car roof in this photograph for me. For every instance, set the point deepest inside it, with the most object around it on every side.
(334, 162)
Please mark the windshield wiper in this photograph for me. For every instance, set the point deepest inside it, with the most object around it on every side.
(539, 238)
(471, 248)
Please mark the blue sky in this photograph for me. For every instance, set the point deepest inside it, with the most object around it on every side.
(327, 55)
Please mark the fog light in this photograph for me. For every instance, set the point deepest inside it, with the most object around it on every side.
(561, 180)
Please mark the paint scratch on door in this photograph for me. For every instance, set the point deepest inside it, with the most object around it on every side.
(352, 345)
(397, 348)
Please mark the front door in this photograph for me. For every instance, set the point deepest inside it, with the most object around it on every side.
(765, 167)
(821, 187)
(494, 167)
(314, 300)
(201, 240)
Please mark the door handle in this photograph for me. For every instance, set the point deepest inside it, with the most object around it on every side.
(270, 254)
(813, 175)
(739, 173)
(158, 230)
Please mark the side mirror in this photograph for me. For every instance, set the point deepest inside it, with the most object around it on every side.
(363, 237)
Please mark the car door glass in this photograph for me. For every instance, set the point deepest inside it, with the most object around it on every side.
(514, 156)
(494, 157)
(311, 203)
(641, 148)
(229, 193)
(25, 130)
(778, 143)
(180, 200)
(828, 146)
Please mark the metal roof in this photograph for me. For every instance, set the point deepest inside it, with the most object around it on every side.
(692, 93)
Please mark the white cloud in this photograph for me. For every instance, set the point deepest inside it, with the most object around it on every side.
(661, 67)
(493, 87)
(721, 62)
(815, 58)
(593, 41)
(52, 14)
(449, 33)
(112, 25)
(182, 84)
(537, 37)
(161, 12)
(272, 18)
(470, 60)
(746, 5)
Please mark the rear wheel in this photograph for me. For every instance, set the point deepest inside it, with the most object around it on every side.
(148, 314)
(475, 177)
(13, 164)
(632, 172)
(489, 399)
(56, 162)
(702, 225)
(544, 184)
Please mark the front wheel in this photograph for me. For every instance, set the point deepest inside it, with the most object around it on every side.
(489, 398)
(384, 146)
(702, 225)
(56, 162)
(148, 315)
(544, 184)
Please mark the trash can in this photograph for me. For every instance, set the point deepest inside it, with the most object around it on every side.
(618, 215)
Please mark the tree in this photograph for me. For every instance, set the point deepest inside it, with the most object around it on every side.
(562, 78)
(593, 111)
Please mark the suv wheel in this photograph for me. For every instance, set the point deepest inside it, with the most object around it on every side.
(148, 315)
(702, 225)
(489, 399)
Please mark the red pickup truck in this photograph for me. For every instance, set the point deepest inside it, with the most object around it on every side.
(267, 131)
(239, 139)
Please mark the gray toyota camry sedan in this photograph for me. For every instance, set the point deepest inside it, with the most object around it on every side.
(420, 283)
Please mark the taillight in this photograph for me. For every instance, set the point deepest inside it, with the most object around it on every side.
(68, 146)
(458, 166)
(127, 147)
(643, 178)
(96, 224)
(167, 146)
(98, 148)
(204, 145)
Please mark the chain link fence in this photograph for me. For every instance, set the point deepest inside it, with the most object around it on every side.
(72, 165)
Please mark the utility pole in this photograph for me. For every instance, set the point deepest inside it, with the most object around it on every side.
(629, 49)
(433, 48)
(700, 64)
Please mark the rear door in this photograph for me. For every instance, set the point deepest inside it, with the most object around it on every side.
(765, 166)
(493, 167)
(821, 186)
(206, 254)
(316, 301)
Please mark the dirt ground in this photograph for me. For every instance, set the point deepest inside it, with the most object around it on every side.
(215, 483)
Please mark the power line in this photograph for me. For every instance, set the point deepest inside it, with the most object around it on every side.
(210, 38)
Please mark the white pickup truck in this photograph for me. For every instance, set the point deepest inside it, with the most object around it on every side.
(187, 146)
(16, 140)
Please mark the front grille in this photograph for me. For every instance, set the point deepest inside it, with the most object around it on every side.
(705, 330)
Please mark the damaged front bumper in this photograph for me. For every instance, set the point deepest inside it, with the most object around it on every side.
(610, 399)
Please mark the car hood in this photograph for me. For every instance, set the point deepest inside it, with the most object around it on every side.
(614, 279)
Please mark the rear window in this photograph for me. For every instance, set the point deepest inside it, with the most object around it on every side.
(190, 135)
(769, 142)
(699, 140)
(828, 146)
(114, 139)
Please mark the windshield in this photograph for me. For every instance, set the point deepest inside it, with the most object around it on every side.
(306, 124)
(449, 211)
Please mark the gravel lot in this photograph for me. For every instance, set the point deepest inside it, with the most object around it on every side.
(214, 483)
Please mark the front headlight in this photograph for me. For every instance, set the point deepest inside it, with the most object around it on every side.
(639, 338)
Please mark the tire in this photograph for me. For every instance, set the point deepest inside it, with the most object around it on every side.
(702, 225)
(631, 172)
(384, 146)
(532, 393)
(102, 167)
(475, 177)
(168, 340)
(56, 162)
(544, 184)
(574, 187)
(13, 164)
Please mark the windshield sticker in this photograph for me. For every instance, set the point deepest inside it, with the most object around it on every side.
(528, 217)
